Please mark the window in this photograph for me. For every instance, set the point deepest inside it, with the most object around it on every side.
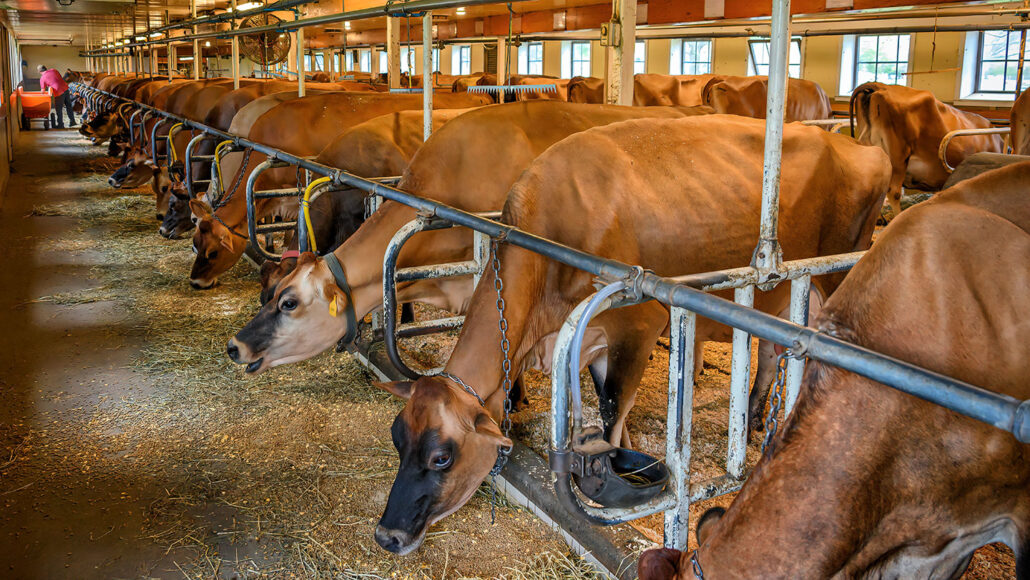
(382, 62)
(997, 62)
(640, 58)
(580, 59)
(758, 57)
(366, 60)
(882, 58)
(407, 60)
(531, 58)
(691, 57)
(461, 60)
(319, 63)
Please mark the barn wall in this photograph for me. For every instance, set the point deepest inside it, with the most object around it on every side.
(946, 58)
(729, 56)
(59, 57)
(821, 62)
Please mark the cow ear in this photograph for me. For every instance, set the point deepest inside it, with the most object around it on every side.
(659, 564)
(487, 426)
(306, 258)
(200, 209)
(402, 389)
(707, 523)
(226, 241)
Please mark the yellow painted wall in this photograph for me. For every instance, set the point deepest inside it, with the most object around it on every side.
(658, 52)
(820, 56)
(948, 55)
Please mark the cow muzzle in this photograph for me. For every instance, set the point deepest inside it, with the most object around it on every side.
(398, 541)
(239, 354)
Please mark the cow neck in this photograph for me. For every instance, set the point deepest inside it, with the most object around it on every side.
(814, 483)
(477, 358)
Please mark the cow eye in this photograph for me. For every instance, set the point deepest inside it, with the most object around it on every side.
(194, 248)
(288, 305)
(212, 255)
(442, 460)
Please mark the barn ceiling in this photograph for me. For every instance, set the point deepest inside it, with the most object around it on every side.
(97, 21)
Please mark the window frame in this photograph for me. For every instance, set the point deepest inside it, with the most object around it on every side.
(683, 52)
(855, 61)
(530, 61)
(640, 56)
(752, 62)
(572, 58)
(978, 72)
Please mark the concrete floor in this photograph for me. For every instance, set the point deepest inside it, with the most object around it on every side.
(57, 362)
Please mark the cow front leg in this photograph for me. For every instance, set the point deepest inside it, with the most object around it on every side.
(632, 333)
(760, 389)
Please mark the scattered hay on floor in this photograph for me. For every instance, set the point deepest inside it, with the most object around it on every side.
(552, 565)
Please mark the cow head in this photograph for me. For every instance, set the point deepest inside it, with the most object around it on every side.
(137, 168)
(447, 444)
(302, 318)
(272, 273)
(216, 246)
(178, 218)
(103, 127)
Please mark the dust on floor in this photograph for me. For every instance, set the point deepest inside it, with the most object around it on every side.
(132, 447)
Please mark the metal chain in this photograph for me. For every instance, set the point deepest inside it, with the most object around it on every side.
(236, 184)
(502, 324)
(772, 421)
(696, 565)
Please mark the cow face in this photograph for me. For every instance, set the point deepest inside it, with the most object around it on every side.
(298, 321)
(216, 247)
(447, 444)
(137, 169)
(178, 218)
(103, 127)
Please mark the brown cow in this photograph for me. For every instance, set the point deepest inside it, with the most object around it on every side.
(1019, 122)
(301, 127)
(586, 90)
(874, 483)
(747, 96)
(457, 166)
(633, 203)
(663, 90)
(909, 125)
(380, 147)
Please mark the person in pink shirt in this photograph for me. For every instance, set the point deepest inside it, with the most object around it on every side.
(51, 79)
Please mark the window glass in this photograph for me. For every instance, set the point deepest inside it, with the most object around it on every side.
(882, 58)
(696, 57)
(759, 53)
(580, 59)
(640, 58)
(998, 62)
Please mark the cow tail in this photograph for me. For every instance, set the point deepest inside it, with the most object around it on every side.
(860, 100)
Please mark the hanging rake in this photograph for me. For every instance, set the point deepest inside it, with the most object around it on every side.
(513, 88)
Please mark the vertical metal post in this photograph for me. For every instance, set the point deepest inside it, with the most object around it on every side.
(196, 43)
(740, 383)
(1022, 58)
(173, 61)
(393, 52)
(300, 62)
(622, 43)
(679, 421)
(800, 289)
(768, 254)
(235, 44)
(427, 75)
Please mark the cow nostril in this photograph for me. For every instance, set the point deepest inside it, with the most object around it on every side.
(233, 351)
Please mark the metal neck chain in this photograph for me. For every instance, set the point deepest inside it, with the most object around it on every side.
(467, 388)
(231, 229)
(772, 421)
(236, 183)
(502, 324)
(696, 565)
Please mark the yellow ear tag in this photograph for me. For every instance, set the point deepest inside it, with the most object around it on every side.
(334, 307)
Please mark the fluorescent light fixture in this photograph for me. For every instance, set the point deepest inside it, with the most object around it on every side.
(155, 34)
(141, 38)
(207, 43)
(118, 43)
(245, 6)
(185, 58)
(346, 25)
(461, 10)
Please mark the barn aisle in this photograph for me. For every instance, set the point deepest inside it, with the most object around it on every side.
(131, 448)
